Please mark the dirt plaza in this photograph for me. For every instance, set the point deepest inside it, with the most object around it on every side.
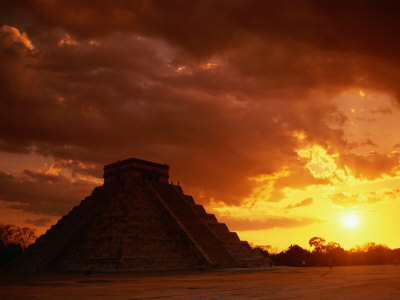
(353, 282)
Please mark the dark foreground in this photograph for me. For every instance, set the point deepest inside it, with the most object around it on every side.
(357, 282)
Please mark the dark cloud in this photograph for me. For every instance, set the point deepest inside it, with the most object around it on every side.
(306, 202)
(299, 178)
(53, 197)
(394, 193)
(125, 106)
(38, 222)
(269, 223)
(44, 177)
(384, 110)
(368, 142)
(215, 88)
(79, 168)
(348, 200)
(303, 44)
(372, 165)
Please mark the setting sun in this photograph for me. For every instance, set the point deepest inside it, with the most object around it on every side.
(350, 221)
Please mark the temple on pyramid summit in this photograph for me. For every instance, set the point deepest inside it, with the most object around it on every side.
(137, 221)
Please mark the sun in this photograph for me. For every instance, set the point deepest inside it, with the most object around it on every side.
(350, 221)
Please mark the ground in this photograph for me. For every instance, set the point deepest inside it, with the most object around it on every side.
(355, 282)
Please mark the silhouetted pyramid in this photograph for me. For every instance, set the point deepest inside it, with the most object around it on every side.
(137, 221)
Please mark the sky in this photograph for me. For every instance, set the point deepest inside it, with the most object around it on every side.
(281, 117)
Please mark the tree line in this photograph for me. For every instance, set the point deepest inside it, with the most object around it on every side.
(329, 254)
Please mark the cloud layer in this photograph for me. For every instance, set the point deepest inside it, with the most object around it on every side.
(223, 91)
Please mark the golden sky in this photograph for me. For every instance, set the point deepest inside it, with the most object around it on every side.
(280, 117)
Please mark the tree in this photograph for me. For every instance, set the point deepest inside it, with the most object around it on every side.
(11, 234)
(293, 256)
(9, 252)
(263, 250)
(318, 243)
(332, 253)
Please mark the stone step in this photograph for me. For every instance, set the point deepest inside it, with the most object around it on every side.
(201, 235)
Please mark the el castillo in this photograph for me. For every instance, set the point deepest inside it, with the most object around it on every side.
(137, 221)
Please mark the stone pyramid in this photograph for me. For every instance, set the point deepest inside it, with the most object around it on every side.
(137, 221)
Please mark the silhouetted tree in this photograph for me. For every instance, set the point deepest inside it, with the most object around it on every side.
(9, 252)
(2, 246)
(293, 256)
(318, 243)
(323, 253)
(335, 253)
(11, 234)
(377, 254)
(262, 250)
(13, 240)
(318, 257)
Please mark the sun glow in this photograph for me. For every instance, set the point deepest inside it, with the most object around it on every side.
(350, 221)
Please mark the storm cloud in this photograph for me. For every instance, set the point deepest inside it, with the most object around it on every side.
(217, 89)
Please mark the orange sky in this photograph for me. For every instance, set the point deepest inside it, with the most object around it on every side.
(280, 117)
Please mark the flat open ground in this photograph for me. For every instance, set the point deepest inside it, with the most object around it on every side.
(358, 282)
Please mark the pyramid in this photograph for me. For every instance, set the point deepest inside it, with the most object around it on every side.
(137, 221)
